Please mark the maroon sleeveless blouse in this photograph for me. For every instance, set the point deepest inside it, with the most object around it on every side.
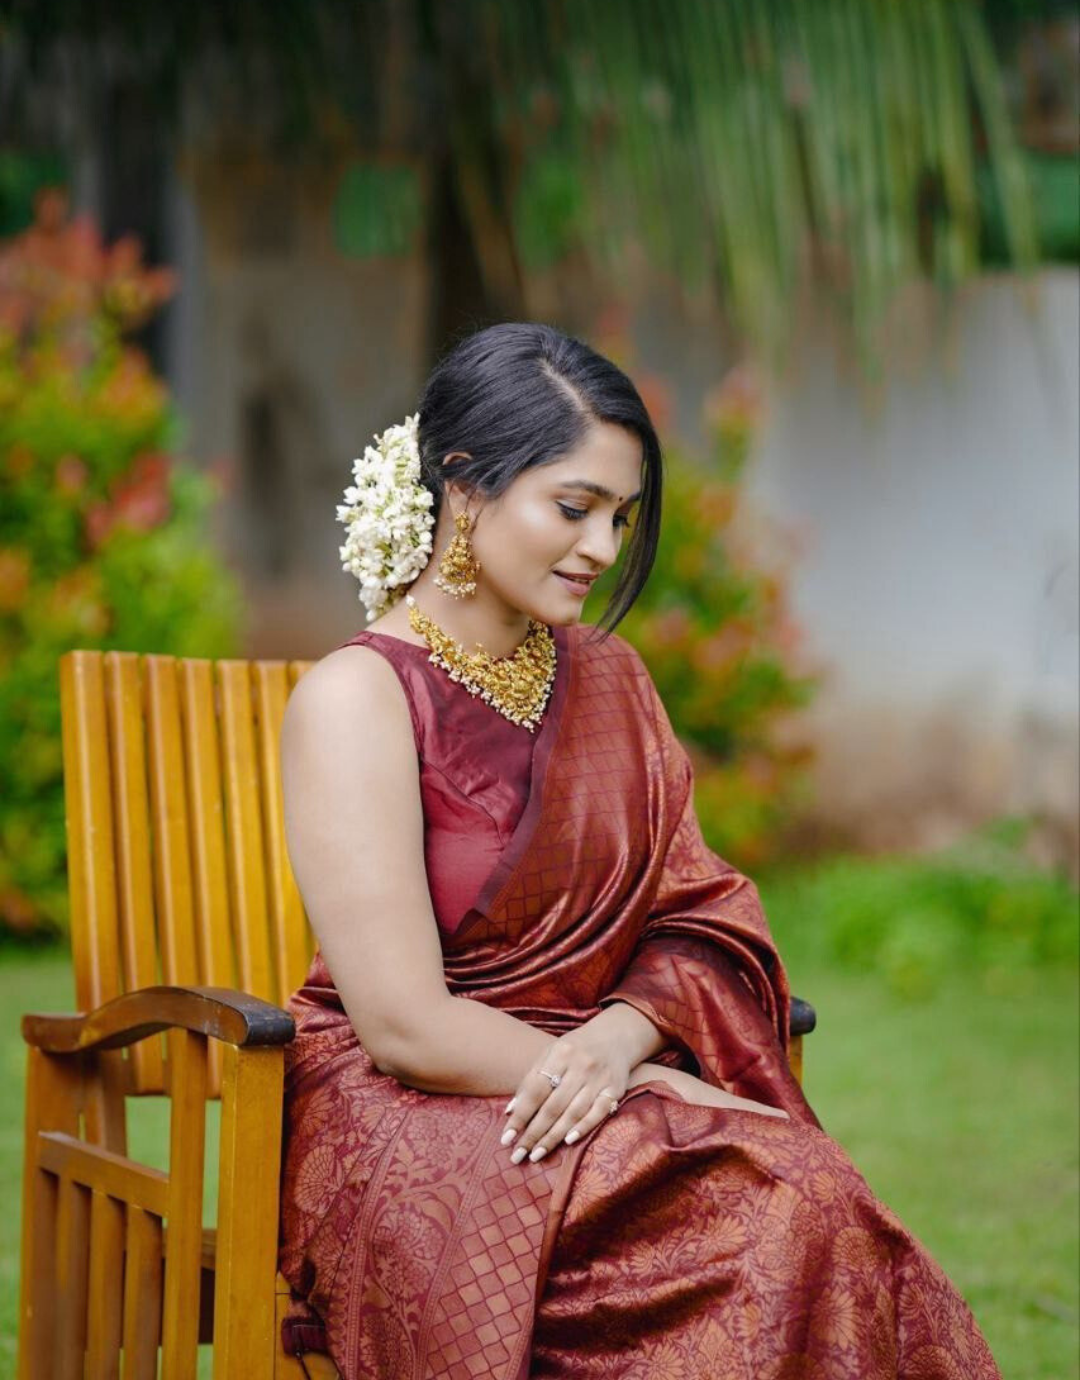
(472, 799)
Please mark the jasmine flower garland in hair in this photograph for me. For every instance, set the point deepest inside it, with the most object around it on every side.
(387, 519)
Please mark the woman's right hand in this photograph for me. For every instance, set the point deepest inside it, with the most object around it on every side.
(592, 1068)
(699, 1092)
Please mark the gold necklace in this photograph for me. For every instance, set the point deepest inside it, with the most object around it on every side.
(517, 686)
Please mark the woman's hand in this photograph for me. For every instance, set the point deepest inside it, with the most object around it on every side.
(593, 1066)
(699, 1092)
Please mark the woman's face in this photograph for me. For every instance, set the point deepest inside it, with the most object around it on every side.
(556, 521)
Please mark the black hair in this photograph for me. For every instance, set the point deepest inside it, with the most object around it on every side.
(521, 394)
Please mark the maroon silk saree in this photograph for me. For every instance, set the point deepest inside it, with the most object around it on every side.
(675, 1242)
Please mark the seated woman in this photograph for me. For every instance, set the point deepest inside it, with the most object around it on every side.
(539, 1116)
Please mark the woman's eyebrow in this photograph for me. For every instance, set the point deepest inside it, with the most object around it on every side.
(597, 489)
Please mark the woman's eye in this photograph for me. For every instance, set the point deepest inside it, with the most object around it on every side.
(576, 514)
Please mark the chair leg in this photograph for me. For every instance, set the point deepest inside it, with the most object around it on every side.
(245, 1341)
(53, 1099)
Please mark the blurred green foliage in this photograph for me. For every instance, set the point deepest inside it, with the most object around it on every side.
(1055, 182)
(736, 146)
(981, 907)
(102, 531)
(378, 210)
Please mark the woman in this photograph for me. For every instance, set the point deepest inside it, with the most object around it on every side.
(500, 858)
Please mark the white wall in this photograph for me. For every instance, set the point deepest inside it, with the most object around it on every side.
(940, 571)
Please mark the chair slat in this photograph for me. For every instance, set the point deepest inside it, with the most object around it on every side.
(183, 1250)
(106, 1276)
(298, 669)
(72, 1262)
(88, 806)
(288, 924)
(142, 1295)
(135, 885)
(169, 812)
(203, 762)
(202, 755)
(247, 872)
(69, 1157)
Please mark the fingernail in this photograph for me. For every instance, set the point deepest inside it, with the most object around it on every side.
(508, 1135)
(538, 1153)
(518, 1155)
(510, 1105)
(571, 1136)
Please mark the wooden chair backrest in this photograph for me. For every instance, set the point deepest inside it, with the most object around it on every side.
(177, 867)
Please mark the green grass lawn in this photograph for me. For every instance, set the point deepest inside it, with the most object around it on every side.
(961, 1111)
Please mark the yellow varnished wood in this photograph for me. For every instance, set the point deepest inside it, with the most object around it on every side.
(72, 1271)
(135, 885)
(244, 1317)
(183, 1253)
(142, 1295)
(106, 1269)
(795, 1057)
(288, 924)
(178, 874)
(95, 945)
(53, 1099)
(202, 751)
(67, 1156)
(169, 813)
(297, 669)
(247, 862)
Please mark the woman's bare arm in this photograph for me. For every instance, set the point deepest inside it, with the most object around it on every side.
(354, 829)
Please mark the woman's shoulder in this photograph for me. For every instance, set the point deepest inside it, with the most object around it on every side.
(354, 685)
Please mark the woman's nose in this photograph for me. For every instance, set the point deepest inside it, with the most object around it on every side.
(600, 542)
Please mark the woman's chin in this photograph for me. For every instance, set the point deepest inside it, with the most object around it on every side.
(559, 616)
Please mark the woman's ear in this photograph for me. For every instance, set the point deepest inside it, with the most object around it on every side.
(453, 487)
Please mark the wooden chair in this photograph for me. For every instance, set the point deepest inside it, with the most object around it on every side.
(178, 875)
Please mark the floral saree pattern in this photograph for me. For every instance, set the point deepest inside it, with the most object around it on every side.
(674, 1241)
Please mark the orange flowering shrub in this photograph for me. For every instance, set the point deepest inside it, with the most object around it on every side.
(102, 529)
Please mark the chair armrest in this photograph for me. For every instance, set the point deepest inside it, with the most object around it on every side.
(803, 1017)
(236, 1018)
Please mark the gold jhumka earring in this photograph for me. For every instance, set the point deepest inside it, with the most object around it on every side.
(458, 567)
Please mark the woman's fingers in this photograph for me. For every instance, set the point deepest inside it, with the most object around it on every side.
(538, 1128)
(525, 1104)
(540, 1115)
(554, 1132)
(532, 1097)
(599, 1110)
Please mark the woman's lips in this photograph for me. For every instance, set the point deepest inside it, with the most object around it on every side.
(578, 587)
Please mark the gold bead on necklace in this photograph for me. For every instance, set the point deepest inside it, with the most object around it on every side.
(518, 686)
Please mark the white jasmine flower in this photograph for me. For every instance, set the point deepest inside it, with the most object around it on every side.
(387, 520)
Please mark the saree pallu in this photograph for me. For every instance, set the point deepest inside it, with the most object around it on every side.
(674, 1242)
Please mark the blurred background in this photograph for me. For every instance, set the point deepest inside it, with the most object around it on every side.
(836, 246)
